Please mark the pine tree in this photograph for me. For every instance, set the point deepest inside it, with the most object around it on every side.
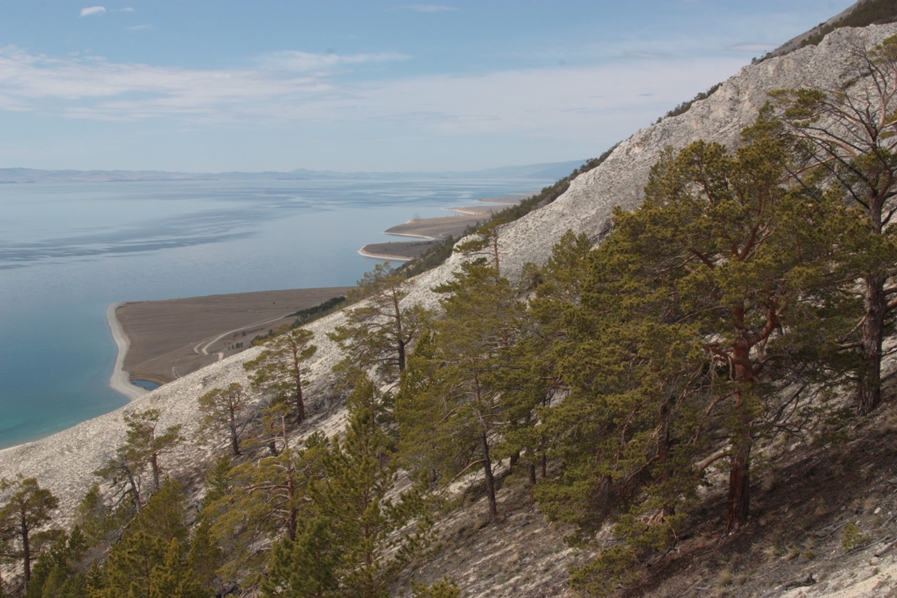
(358, 537)
(60, 571)
(142, 448)
(444, 588)
(279, 370)
(25, 511)
(101, 524)
(259, 502)
(144, 445)
(844, 136)
(535, 378)
(226, 411)
(454, 403)
(742, 252)
(380, 331)
(696, 311)
(485, 243)
(152, 557)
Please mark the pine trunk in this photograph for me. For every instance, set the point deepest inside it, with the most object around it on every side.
(490, 479)
(739, 471)
(135, 494)
(401, 347)
(739, 487)
(300, 401)
(26, 549)
(154, 462)
(868, 394)
(234, 441)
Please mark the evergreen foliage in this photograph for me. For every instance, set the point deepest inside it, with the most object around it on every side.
(378, 333)
(444, 588)
(25, 511)
(255, 503)
(451, 405)
(708, 322)
(142, 449)
(696, 312)
(279, 370)
(485, 243)
(61, 571)
(844, 139)
(226, 411)
(685, 106)
(356, 537)
(152, 558)
(144, 446)
(864, 13)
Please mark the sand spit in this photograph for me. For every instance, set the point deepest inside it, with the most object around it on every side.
(431, 230)
(120, 380)
(365, 252)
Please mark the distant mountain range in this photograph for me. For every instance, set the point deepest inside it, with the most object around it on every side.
(551, 170)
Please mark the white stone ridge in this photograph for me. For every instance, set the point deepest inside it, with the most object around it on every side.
(64, 462)
(619, 181)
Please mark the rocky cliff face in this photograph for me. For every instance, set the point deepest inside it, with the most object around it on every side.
(65, 461)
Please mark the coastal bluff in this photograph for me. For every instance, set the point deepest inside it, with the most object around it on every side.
(64, 462)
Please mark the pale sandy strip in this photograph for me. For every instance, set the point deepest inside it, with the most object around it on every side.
(384, 256)
(474, 211)
(429, 238)
(120, 382)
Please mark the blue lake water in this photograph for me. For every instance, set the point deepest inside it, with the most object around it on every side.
(67, 250)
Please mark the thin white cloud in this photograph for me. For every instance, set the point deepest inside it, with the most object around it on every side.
(556, 102)
(92, 10)
(310, 62)
(426, 7)
(140, 27)
(125, 9)
(750, 47)
(643, 55)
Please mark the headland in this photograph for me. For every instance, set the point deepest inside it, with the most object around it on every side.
(163, 340)
(430, 231)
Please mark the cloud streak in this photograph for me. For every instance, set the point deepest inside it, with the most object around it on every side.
(303, 88)
(309, 62)
(92, 10)
(750, 47)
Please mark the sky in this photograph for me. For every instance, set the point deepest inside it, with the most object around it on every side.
(363, 85)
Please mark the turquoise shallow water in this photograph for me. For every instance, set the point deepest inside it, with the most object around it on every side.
(68, 250)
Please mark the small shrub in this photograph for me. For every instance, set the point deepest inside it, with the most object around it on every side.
(853, 537)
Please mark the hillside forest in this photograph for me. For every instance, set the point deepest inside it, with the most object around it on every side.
(747, 302)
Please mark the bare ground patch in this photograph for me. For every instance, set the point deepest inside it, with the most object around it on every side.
(174, 337)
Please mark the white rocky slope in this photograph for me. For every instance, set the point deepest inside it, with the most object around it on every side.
(65, 461)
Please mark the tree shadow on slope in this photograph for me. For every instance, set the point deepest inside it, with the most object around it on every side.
(818, 511)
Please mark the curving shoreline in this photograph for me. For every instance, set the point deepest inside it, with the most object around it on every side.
(119, 381)
(384, 256)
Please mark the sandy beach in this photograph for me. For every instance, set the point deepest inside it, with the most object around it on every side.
(397, 251)
(120, 381)
(432, 230)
